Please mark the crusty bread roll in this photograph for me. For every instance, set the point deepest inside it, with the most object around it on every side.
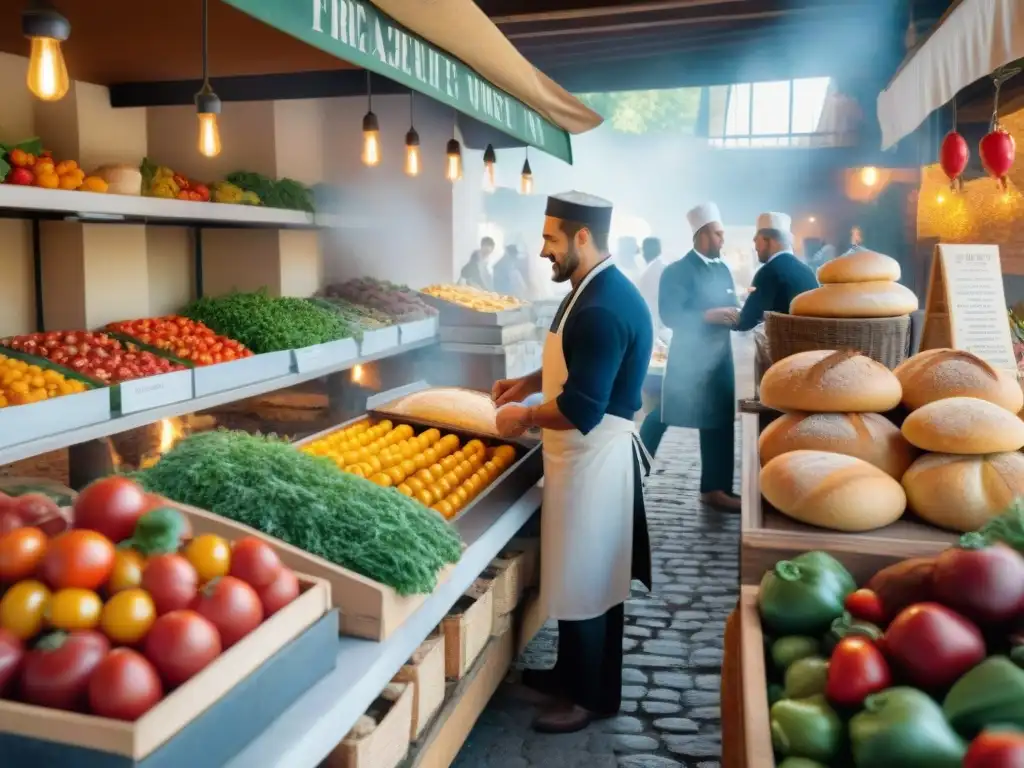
(832, 491)
(964, 425)
(876, 299)
(823, 381)
(940, 373)
(963, 493)
(867, 436)
(861, 266)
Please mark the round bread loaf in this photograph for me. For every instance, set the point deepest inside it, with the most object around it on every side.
(940, 373)
(861, 266)
(881, 298)
(867, 436)
(823, 381)
(832, 491)
(963, 493)
(964, 425)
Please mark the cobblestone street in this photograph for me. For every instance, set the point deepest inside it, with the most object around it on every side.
(673, 647)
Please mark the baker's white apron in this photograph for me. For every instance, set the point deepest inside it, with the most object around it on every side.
(587, 520)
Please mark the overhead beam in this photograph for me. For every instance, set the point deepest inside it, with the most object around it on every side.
(573, 14)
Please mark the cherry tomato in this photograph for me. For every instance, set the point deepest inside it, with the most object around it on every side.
(171, 581)
(12, 652)
(111, 506)
(128, 616)
(864, 604)
(21, 551)
(56, 672)
(72, 609)
(210, 555)
(127, 571)
(78, 558)
(232, 606)
(181, 644)
(279, 593)
(996, 749)
(124, 686)
(255, 562)
(41, 512)
(23, 608)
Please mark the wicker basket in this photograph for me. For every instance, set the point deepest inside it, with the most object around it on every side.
(885, 339)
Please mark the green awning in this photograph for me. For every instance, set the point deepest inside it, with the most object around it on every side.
(357, 32)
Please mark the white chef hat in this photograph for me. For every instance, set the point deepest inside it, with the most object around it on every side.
(703, 214)
(781, 222)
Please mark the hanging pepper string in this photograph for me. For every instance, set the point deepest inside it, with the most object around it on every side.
(999, 77)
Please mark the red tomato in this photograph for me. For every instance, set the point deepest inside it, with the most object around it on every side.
(279, 593)
(255, 562)
(171, 581)
(232, 606)
(56, 673)
(933, 646)
(984, 583)
(12, 653)
(41, 512)
(996, 749)
(181, 644)
(125, 686)
(865, 605)
(10, 520)
(856, 670)
(21, 551)
(82, 559)
(111, 506)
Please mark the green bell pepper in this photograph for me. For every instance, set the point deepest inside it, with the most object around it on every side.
(800, 762)
(990, 694)
(847, 625)
(803, 596)
(806, 728)
(787, 650)
(806, 677)
(904, 728)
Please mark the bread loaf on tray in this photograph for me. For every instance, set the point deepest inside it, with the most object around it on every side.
(964, 425)
(822, 381)
(880, 298)
(937, 374)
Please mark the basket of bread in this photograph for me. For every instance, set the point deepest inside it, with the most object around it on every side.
(859, 305)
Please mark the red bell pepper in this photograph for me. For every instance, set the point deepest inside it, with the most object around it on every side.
(996, 749)
(932, 646)
(984, 582)
(856, 670)
(864, 604)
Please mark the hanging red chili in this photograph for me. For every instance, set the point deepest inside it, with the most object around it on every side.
(997, 150)
(953, 156)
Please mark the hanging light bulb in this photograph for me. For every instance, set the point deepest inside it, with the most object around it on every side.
(412, 144)
(526, 179)
(453, 170)
(371, 130)
(869, 176)
(207, 102)
(490, 158)
(47, 73)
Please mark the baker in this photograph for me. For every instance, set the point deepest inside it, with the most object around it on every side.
(594, 537)
(697, 300)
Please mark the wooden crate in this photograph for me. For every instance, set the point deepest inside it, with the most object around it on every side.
(425, 674)
(769, 536)
(467, 629)
(512, 570)
(387, 745)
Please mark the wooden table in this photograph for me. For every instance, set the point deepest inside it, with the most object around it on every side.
(733, 736)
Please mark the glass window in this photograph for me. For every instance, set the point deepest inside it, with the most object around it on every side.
(808, 102)
(737, 119)
(770, 112)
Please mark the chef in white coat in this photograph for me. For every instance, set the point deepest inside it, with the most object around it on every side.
(594, 537)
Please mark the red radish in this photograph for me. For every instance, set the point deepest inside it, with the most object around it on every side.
(983, 582)
(932, 646)
(953, 157)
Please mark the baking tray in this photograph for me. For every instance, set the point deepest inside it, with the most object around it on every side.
(453, 314)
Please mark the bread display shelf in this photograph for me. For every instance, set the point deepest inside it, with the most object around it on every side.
(769, 536)
(453, 314)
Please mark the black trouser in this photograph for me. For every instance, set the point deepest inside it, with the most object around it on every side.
(652, 430)
(717, 459)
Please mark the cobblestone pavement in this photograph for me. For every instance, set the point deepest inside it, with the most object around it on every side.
(670, 714)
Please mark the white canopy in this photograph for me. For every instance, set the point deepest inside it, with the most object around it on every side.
(973, 39)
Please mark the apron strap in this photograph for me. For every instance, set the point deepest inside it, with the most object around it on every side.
(642, 455)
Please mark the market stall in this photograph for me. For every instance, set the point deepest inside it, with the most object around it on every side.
(373, 567)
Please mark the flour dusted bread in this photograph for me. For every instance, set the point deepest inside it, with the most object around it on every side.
(860, 266)
(880, 298)
(452, 406)
(963, 493)
(964, 425)
(937, 374)
(822, 381)
(867, 436)
(830, 490)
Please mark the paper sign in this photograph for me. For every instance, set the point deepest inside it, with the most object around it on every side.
(966, 305)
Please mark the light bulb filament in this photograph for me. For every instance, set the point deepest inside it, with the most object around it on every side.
(412, 160)
(209, 134)
(47, 72)
(371, 148)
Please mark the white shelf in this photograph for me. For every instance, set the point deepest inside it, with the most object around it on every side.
(309, 730)
(99, 208)
(118, 424)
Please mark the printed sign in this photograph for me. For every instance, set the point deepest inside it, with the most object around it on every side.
(357, 32)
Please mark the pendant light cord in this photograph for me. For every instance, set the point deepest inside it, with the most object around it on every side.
(369, 93)
(412, 114)
(206, 37)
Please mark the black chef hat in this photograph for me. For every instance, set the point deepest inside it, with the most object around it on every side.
(595, 213)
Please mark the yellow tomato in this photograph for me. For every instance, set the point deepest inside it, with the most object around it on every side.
(408, 467)
(420, 460)
(444, 508)
(436, 471)
(448, 463)
(127, 616)
(415, 483)
(431, 456)
(474, 446)
(72, 609)
(424, 497)
(382, 480)
(445, 486)
(23, 608)
(462, 494)
(396, 474)
(375, 464)
(210, 555)
(356, 470)
(464, 470)
(451, 478)
(405, 490)
(127, 571)
(425, 476)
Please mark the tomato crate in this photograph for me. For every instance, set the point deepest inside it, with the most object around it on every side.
(206, 721)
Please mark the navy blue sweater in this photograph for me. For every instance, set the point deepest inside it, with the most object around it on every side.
(607, 342)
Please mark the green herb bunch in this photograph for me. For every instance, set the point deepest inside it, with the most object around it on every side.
(308, 502)
(275, 193)
(266, 323)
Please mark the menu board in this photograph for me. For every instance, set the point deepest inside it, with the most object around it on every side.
(966, 306)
